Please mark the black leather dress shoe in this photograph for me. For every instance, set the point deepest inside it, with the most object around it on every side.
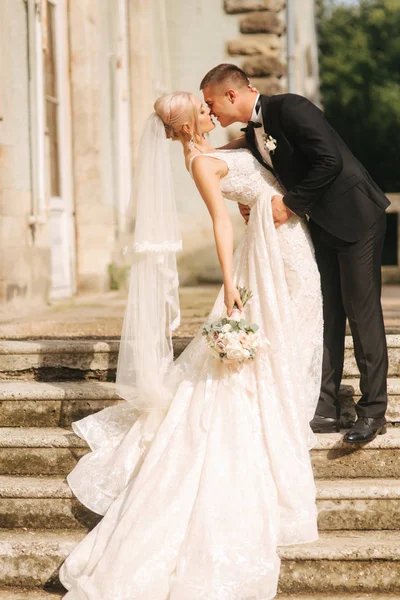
(365, 430)
(321, 424)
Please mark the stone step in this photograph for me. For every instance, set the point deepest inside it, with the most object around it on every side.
(333, 459)
(350, 394)
(41, 503)
(55, 451)
(341, 596)
(55, 404)
(55, 360)
(39, 450)
(358, 504)
(28, 594)
(58, 404)
(32, 594)
(48, 503)
(339, 562)
(49, 360)
(393, 342)
(343, 562)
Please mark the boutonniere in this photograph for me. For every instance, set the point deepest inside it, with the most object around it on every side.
(270, 143)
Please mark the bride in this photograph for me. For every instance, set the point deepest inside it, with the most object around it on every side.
(203, 472)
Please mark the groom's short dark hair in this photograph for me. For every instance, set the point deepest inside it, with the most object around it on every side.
(223, 73)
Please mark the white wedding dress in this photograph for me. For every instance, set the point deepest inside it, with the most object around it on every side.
(196, 512)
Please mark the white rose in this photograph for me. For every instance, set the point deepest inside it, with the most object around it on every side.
(270, 145)
(234, 351)
(226, 328)
(236, 315)
(228, 338)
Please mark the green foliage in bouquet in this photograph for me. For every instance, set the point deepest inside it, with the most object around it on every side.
(245, 296)
(236, 326)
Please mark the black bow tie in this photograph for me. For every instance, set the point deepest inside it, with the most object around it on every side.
(251, 125)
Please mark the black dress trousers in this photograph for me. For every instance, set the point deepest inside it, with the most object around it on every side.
(351, 286)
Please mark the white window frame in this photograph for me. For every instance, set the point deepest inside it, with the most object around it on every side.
(65, 200)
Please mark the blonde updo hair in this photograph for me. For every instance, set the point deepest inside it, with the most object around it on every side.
(175, 110)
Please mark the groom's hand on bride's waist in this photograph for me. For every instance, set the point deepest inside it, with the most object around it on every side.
(280, 212)
(244, 211)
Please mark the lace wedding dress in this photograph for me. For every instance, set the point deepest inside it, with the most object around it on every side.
(197, 511)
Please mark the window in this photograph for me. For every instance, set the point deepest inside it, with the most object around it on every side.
(52, 101)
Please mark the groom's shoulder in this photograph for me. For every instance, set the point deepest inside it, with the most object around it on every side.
(287, 98)
(283, 106)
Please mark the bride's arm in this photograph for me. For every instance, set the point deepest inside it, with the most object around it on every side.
(207, 173)
(239, 142)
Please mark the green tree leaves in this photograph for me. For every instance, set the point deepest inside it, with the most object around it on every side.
(360, 76)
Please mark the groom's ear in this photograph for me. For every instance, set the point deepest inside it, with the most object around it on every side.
(231, 95)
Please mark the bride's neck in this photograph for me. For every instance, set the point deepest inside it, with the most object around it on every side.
(201, 144)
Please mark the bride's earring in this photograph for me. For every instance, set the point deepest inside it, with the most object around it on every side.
(191, 144)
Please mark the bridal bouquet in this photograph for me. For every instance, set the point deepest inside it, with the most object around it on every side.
(231, 340)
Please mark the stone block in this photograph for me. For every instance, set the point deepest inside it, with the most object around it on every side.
(241, 6)
(262, 22)
(268, 44)
(263, 66)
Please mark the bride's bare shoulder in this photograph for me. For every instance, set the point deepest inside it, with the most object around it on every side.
(201, 165)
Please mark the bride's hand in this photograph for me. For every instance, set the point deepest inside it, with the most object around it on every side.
(231, 295)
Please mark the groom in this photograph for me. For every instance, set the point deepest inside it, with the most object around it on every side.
(324, 182)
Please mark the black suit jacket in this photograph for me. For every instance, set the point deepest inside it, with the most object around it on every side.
(322, 178)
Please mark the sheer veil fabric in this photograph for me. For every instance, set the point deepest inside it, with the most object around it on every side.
(202, 479)
(152, 313)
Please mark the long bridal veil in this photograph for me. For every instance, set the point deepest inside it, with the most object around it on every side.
(146, 355)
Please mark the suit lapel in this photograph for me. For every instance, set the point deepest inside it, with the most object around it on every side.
(251, 142)
(267, 110)
(266, 113)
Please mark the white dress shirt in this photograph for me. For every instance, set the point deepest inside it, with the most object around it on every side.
(259, 133)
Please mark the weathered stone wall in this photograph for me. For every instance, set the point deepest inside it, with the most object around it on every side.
(201, 34)
(198, 33)
(24, 266)
(260, 45)
(94, 211)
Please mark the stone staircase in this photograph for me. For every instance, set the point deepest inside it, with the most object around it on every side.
(45, 385)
